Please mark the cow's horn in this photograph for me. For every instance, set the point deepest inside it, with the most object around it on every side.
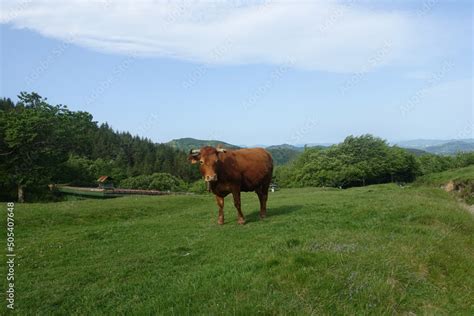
(221, 150)
(195, 152)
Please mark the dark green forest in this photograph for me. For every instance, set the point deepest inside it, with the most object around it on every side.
(42, 144)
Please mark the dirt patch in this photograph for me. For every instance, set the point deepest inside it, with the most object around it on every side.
(464, 191)
(449, 187)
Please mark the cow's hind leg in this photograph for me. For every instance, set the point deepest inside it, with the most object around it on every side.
(236, 195)
(220, 203)
(263, 197)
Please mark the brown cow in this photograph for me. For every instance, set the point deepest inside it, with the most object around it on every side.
(234, 171)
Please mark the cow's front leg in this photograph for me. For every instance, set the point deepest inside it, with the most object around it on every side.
(236, 195)
(220, 203)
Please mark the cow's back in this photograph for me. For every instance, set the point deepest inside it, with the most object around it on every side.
(255, 166)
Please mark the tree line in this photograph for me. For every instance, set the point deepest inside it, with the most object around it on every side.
(42, 144)
(363, 160)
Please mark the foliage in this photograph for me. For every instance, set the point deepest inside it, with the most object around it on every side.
(355, 162)
(460, 180)
(283, 154)
(156, 181)
(363, 160)
(198, 187)
(82, 171)
(37, 137)
(431, 163)
(41, 144)
(441, 178)
(284, 175)
(137, 156)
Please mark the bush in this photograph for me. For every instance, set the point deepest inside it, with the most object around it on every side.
(356, 161)
(198, 187)
(284, 176)
(166, 182)
(363, 160)
(81, 171)
(156, 181)
(138, 182)
(431, 163)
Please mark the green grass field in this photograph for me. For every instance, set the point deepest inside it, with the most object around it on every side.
(378, 249)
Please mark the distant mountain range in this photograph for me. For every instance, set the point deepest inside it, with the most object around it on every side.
(423, 143)
(416, 152)
(285, 146)
(285, 152)
(281, 153)
(440, 147)
(451, 148)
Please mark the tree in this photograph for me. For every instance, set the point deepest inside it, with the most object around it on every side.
(41, 144)
(36, 139)
(356, 161)
(157, 181)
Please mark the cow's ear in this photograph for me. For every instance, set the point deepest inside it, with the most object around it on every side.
(194, 158)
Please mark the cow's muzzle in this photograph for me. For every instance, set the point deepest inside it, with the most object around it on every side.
(211, 178)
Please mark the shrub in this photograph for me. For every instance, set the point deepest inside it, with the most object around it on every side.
(156, 181)
(198, 187)
(356, 161)
(166, 182)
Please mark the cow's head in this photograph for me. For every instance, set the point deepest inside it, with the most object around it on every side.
(208, 159)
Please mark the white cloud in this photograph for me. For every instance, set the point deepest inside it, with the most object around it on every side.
(328, 36)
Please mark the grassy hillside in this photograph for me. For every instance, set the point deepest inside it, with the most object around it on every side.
(441, 178)
(377, 249)
(186, 144)
(461, 183)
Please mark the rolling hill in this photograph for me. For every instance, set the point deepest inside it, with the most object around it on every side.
(285, 153)
(281, 153)
(421, 143)
(186, 144)
(451, 148)
(416, 152)
(286, 146)
(440, 147)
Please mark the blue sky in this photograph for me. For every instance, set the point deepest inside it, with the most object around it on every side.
(249, 72)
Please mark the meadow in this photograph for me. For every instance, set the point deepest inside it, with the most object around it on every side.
(380, 249)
